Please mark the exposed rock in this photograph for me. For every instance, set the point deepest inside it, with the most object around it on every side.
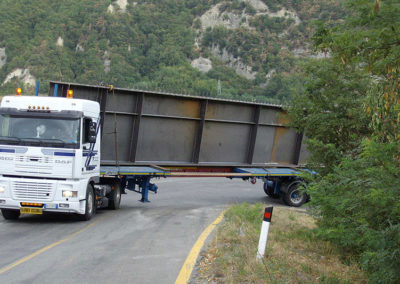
(233, 20)
(271, 73)
(107, 62)
(23, 75)
(202, 64)
(305, 52)
(301, 52)
(110, 9)
(3, 57)
(214, 17)
(79, 48)
(107, 65)
(239, 67)
(268, 77)
(60, 41)
(284, 13)
(258, 5)
(197, 42)
(122, 4)
(320, 55)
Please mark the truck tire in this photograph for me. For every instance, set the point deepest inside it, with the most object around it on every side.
(115, 196)
(269, 191)
(294, 196)
(90, 206)
(10, 214)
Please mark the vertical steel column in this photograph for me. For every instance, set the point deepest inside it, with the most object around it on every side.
(37, 88)
(199, 134)
(55, 90)
(136, 128)
(103, 102)
(253, 135)
(297, 148)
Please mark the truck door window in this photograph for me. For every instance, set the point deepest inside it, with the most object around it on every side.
(86, 123)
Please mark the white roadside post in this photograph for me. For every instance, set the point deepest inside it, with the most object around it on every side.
(262, 243)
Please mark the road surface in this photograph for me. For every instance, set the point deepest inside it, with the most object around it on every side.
(140, 243)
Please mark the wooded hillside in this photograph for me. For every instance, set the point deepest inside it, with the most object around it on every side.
(253, 48)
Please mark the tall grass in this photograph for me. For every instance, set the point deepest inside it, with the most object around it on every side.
(293, 254)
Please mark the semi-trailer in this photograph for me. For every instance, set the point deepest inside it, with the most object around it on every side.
(82, 146)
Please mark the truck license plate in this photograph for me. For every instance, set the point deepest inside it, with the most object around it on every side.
(27, 210)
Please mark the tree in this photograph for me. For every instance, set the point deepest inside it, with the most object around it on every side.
(356, 138)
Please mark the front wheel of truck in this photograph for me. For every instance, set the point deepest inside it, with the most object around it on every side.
(115, 196)
(10, 214)
(90, 207)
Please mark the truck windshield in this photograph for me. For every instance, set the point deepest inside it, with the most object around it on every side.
(39, 131)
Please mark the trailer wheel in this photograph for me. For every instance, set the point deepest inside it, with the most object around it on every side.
(294, 196)
(269, 191)
(115, 198)
(90, 207)
(10, 214)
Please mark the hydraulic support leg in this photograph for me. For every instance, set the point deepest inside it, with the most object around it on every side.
(144, 185)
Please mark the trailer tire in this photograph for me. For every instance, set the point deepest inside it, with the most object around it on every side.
(90, 206)
(10, 214)
(270, 191)
(294, 196)
(115, 196)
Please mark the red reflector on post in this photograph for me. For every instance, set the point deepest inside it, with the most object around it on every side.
(268, 214)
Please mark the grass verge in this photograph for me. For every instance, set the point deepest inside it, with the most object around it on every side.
(293, 255)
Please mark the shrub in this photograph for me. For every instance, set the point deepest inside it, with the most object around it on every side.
(358, 209)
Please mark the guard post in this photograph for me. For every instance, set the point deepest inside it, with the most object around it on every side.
(262, 243)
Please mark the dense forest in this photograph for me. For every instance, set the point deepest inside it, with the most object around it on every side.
(254, 49)
(350, 111)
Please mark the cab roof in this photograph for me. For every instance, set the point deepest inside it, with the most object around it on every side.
(50, 103)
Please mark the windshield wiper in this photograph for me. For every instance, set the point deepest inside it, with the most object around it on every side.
(10, 139)
(53, 140)
(32, 140)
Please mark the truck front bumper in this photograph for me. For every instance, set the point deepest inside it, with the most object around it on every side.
(61, 207)
(21, 192)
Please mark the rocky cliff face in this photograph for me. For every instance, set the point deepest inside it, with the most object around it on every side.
(244, 19)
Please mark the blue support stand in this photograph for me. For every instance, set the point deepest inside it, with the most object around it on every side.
(55, 90)
(144, 186)
(37, 88)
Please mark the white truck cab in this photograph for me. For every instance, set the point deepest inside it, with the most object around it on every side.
(49, 155)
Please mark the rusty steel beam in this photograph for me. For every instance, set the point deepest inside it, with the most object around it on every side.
(163, 129)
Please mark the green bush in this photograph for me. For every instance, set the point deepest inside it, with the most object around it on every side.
(358, 208)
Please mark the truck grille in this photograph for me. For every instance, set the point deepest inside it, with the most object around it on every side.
(25, 190)
(34, 159)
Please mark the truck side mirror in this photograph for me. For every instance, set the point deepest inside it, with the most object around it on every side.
(91, 132)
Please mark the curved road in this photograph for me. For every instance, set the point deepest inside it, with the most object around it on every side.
(140, 243)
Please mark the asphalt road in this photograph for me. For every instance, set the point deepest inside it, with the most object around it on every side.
(139, 243)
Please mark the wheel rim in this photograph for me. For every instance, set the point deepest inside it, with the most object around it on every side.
(90, 202)
(296, 196)
(118, 197)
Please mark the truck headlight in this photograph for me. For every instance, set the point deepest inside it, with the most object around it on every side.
(2, 189)
(69, 193)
